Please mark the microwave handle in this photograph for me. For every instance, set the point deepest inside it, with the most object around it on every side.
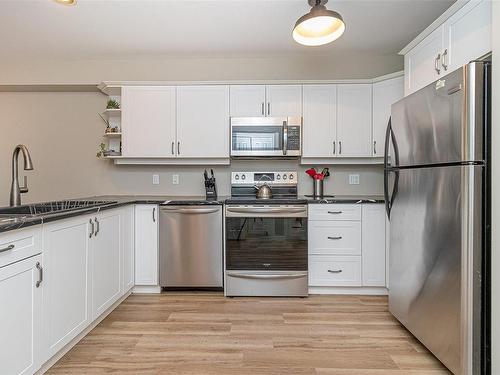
(285, 137)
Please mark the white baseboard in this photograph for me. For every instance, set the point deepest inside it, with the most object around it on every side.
(371, 291)
(56, 357)
(146, 289)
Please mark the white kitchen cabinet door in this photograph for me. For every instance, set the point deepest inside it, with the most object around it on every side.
(66, 284)
(146, 244)
(247, 100)
(320, 121)
(284, 100)
(20, 317)
(354, 120)
(373, 244)
(467, 34)
(203, 121)
(127, 245)
(106, 261)
(148, 121)
(385, 93)
(422, 63)
(326, 270)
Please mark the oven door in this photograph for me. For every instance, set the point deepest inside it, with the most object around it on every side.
(266, 238)
(258, 136)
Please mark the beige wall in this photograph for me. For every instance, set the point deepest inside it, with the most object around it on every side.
(63, 130)
(27, 72)
(495, 229)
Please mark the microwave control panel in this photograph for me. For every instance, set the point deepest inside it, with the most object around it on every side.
(293, 138)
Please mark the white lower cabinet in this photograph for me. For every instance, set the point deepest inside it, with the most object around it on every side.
(146, 245)
(66, 286)
(128, 239)
(106, 261)
(347, 245)
(20, 317)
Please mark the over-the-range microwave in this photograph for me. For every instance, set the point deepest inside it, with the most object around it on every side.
(266, 136)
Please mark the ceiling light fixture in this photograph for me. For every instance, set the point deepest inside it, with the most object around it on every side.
(66, 2)
(319, 26)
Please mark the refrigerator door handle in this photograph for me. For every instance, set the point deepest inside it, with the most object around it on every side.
(389, 199)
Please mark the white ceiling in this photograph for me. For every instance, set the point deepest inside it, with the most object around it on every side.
(94, 29)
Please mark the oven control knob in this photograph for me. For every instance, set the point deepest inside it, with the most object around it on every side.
(291, 177)
(237, 177)
(243, 177)
(284, 177)
(278, 177)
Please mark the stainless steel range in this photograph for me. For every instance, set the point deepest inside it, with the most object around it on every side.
(266, 239)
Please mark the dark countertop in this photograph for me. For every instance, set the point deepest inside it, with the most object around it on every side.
(12, 222)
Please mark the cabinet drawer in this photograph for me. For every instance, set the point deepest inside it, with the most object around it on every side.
(19, 244)
(334, 212)
(334, 270)
(335, 237)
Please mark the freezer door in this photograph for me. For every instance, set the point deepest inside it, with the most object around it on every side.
(435, 261)
(443, 122)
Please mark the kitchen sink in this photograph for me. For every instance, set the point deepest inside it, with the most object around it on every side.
(51, 207)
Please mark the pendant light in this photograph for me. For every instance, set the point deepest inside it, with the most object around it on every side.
(319, 26)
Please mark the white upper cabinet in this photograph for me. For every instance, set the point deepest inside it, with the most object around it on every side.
(203, 121)
(467, 34)
(385, 94)
(320, 121)
(247, 100)
(373, 244)
(284, 100)
(106, 261)
(148, 121)
(463, 37)
(422, 63)
(354, 120)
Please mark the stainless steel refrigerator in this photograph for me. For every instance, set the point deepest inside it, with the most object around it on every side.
(437, 200)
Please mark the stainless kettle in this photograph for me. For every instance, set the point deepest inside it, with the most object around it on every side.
(263, 191)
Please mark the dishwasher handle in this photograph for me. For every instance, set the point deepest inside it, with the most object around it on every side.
(191, 211)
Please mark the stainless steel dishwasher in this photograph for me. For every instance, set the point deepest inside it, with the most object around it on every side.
(191, 246)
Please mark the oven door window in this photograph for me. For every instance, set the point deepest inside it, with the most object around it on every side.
(257, 138)
(266, 244)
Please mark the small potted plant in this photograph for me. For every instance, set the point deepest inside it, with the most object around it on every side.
(113, 104)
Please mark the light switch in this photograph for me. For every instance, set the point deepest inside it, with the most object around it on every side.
(175, 179)
(354, 179)
(156, 179)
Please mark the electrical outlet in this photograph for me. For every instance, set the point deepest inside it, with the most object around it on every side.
(156, 179)
(354, 179)
(175, 179)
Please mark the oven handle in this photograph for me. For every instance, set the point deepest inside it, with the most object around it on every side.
(267, 277)
(266, 210)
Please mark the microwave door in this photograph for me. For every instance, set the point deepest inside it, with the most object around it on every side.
(257, 140)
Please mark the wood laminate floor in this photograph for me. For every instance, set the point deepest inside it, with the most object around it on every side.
(209, 334)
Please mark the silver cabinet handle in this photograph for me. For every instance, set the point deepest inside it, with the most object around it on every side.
(154, 216)
(92, 229)
(334, 147)
(335, 238)
(7, 248)
(268, 108)
(178, 148)
(335, 212)
(173, 148)
(267, 277)
(334, 271)
(40, 274)
(98, 226)
(263, 109)
(340, 147)
(374, 147)
(436, 63)
(285, 138)
(443, 60)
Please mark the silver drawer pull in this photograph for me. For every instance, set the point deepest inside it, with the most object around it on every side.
(335, 238)
(334, 212)
(334, 271)
(10, 247)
